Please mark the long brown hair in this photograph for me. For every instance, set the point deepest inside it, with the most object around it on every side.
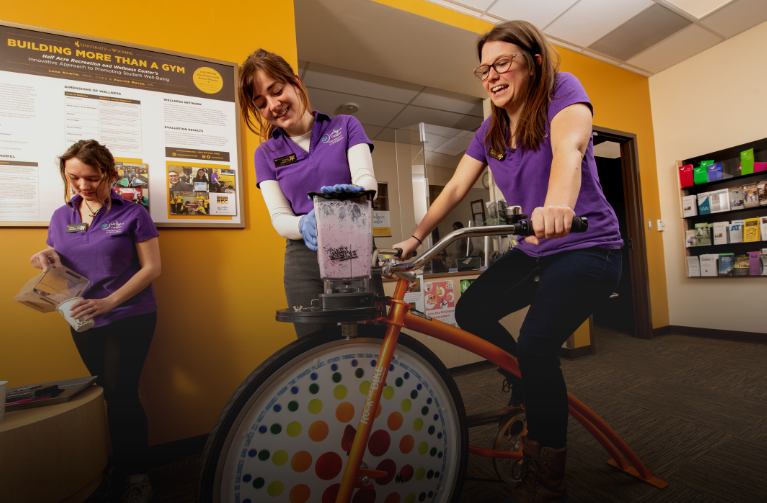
(531, 128)
(275, 67)
(93, 154)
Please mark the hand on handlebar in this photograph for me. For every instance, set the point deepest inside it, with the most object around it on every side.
(407, 246)
(550, 222)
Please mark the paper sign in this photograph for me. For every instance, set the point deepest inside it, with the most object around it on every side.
(439, 300)
(223, 203)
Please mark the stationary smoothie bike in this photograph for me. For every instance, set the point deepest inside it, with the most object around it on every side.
(366, 414)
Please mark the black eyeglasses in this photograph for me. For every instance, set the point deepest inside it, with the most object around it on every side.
(500, 65)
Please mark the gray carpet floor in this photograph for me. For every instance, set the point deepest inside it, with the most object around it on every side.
(694, 411)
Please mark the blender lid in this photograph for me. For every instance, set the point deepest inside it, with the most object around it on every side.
(342, 196)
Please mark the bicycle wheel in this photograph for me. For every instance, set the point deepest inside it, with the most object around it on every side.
(285, 433)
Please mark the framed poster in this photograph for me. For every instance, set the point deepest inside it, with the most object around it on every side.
(478, 212)
(170, 120)
(381, 214)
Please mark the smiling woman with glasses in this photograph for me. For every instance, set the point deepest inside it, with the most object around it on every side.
(537, 142)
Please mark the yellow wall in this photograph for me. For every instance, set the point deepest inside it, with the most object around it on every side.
(205, 345)
(621, 101)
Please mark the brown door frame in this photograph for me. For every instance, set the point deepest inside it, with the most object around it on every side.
(632, 190)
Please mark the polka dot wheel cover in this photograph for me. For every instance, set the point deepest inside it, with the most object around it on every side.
(293, 446)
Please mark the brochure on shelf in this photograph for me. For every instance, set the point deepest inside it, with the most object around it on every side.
(741, 266)
(700, 174)
(703, 234)
(719, 200)
(754, 263)
(726, 262)
(761, 188)
(708, 264)
(691, 240)
(704, 206)
(721, 235)
(689, 206)
(693, 267)
(685, 176)
(751, 195)
(751, 232)
(764, 262)
(736, 198)
(763, 226)
(760, 166)
(736, 231)
(715, 172)
(747, 162)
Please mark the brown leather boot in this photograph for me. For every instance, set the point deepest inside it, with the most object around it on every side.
(543, 473)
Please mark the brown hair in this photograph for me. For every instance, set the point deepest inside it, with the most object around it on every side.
(93, 154)
(531, 128)
(275, 67)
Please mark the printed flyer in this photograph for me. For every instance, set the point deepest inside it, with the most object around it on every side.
(439, 299)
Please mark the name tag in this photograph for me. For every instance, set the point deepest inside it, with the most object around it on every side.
(496, 155)
(284, 161)
(77, 227)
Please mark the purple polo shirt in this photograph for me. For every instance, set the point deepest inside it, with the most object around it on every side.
(523, 177)
(106, 252)
(298, 171)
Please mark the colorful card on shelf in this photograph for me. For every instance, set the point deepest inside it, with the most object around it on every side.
(764, 262)
(726, 262)
(751, 232)
(693, 267)
(763, 226)
(703, 234)
(721, 236)
(689, 206)
(736, 231)
(760, 166)
(685, 176)
(754, 263)
(747, 162)
(691, 240)
(715, 172)
(700, 174)
(719, 200)
(741, 266)
(736, 198)
(751, 195)
(704, 205)
(708, 264)
(761, 189)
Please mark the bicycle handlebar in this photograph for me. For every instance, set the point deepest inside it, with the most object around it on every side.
(522, 228)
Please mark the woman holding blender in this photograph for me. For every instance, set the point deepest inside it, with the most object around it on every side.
(118, 249)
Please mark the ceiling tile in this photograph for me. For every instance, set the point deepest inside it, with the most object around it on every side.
(446, 100)
(477, 4)
(608, 149)
(437, 159)
(433, 141)
(675, 49)
(372, 111)
(360, 84)
(413, 115)
(560, 43)
(539, 13)
(699, 8)
(455, 145)
(387, 134)
(644, 30)
(737, 17)
(468, 123)
(590, 20)
(478, 110)
(371, 131)
(637, 70)
(447, 132)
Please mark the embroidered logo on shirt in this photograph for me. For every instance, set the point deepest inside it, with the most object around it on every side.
(334, 137)
(112, 227)
(284, 161)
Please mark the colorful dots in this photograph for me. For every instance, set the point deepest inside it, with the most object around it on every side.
(315, 406)
(394, 422)
(359, 373)
(318, 431)
(294, 429)
(345, 412)
(399, 382)
(428, 401)
(372, 363)
(246, 500)
(430, 474)
(277, 407)
(422, 497)
(334, 367)
(431, 493)
(407, 375)
(314, 388)
(436, 416)
(392, 498)
(355, 363)
(424, 410)
(433, 452)
(280, 458)
(258, 483)
(276, 429)
(406, 444)
(388, 393)
(379, 443)
(419, 387)
(439, 455)
(391, 368)
(294, 390)
(275, 488)
(314, 376)
(263, 429)
(328, 466)
(436, 475)
(252, 453)
(406, 405)
(439, 435)
(420, 473)
(410, 498)
(364, 387)
(337, 377)
(299, 494)
(263, 455)
(418, 424)
(406, 473)
(422, 448)
(301, 461)
(293, 406)
(414, 394)
(388, 466)
(330, 494)
(365, 495)
(431, 430)
(246, 478)
(340, 392)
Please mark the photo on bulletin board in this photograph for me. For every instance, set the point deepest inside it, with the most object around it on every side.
(137, 195)
(191, 186)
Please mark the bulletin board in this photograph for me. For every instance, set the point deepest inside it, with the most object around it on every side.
(170, 120)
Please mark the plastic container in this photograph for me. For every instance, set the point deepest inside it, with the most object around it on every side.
(80, 325)
(47, 290)
(344, 239)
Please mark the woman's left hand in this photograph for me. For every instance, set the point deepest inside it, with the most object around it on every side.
(550, 222)
(90, 308)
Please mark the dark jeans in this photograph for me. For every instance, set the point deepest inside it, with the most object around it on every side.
(116, 353)
(303, 282)
(571, 284)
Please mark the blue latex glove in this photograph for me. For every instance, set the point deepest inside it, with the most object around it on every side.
(308, 228)
(341, 187)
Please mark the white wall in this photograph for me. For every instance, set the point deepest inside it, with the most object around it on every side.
(714, 100)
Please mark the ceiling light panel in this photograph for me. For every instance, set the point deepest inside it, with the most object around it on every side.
(641, 32)
(387, 134)
(359, 84)
(446, 100)
(371, 131)
(372, 111)
(675, 49)
(699, 8)
(737, 17)
(537, 12)
(590, 20)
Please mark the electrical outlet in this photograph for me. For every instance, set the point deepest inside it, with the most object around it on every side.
(649, 224)
(661, 225)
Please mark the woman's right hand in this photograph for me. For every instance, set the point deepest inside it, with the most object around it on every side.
(408, 246)
(40, 260)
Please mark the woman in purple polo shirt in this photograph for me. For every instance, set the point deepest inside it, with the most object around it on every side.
(301, 151)
(119, 252)
(538, 145)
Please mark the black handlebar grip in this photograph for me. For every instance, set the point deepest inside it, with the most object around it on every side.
(399, 253)
(525, 227)
(580, 224)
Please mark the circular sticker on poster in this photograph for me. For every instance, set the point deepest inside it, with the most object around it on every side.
(208, 80)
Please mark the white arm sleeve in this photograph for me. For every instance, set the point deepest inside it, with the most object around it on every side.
(361, 166)
(284, 221)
